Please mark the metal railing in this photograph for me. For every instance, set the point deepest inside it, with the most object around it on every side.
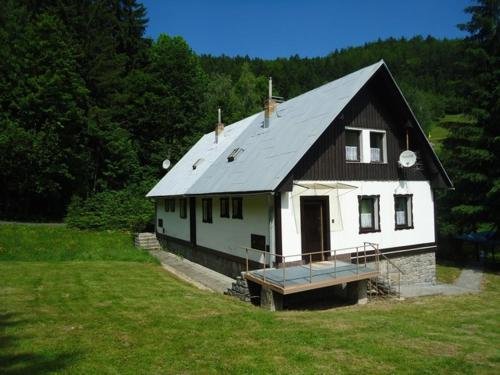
(388, 275)
(386, 278)
(342, 259)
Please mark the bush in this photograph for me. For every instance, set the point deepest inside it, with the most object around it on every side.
(126, 209)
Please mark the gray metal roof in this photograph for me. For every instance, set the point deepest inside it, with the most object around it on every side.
(269, 153)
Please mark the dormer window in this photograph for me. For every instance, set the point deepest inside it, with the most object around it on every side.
(232, 156)
(377, 149)
(352, 145)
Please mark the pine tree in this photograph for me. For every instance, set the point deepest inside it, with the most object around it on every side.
(472, 149)
(42, 127)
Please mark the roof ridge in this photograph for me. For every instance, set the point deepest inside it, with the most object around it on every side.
(380, 63)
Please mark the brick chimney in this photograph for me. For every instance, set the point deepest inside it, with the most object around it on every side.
(219, 128)
(270, 105)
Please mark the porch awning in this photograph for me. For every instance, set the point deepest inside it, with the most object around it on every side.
(321, 188)
(324, 185)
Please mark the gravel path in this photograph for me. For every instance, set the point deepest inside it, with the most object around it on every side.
(469, 281)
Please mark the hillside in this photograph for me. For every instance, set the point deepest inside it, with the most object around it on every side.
(98, 106)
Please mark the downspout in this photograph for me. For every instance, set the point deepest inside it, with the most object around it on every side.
(271, 219)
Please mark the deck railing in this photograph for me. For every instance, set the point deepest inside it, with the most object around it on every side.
(387, 276)
(351, 255)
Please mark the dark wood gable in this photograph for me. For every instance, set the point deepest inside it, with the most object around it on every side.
(377, 106)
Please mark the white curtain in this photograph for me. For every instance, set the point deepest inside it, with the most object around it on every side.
(400, 217)
(366, 220)
(351, 152)
(375, 154)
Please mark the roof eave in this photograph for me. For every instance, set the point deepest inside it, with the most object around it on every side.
(433, 153)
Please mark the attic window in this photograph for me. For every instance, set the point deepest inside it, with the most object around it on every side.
(352, 145)
(197, 163)
(237, 151)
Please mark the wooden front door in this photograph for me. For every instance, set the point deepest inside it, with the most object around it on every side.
(315, 227)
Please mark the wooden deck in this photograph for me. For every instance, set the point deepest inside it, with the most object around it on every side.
(294, 279)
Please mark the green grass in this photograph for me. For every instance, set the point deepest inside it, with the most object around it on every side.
(438, 132)
(128, 317)
(446, 273)
(24, 242)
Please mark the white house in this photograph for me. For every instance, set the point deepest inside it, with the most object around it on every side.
(320, 173)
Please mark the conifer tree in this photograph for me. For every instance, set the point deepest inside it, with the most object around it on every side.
(472, 150)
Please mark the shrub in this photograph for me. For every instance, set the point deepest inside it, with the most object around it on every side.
(126, 209)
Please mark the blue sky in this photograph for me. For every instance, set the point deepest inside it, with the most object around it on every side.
(280, 28)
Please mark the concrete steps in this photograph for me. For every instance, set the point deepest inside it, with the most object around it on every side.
(147, 241)
(383, 285)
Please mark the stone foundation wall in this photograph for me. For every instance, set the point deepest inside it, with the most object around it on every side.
(205, 257)
(417, 268)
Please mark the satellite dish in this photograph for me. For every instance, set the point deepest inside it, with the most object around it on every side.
(407, 159)
(166, 164)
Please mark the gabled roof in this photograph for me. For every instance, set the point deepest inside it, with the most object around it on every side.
(269, 154)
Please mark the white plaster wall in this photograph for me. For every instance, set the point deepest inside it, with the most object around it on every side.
(229, 235)
(344, 232)
(173, 224)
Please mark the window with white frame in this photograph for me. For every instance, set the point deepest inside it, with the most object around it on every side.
(352, 145)
(377, 140)
(403, 211)
(369, 219)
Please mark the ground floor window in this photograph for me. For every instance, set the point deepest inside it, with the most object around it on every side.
(183, 208)
(237, 208)
(403, 211)
(206, 206)
(369, 219)
(169, 205)
(224, 207)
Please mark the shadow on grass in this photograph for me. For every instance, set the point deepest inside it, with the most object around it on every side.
(13, 361)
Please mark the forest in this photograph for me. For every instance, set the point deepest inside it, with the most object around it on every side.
(90, 107)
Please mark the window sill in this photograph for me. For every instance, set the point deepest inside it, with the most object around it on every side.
(363, 231)
(366, 162)
(403, 228)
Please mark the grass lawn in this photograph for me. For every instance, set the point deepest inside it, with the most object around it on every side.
(20, 242)
(447, 273)
(92, 314)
